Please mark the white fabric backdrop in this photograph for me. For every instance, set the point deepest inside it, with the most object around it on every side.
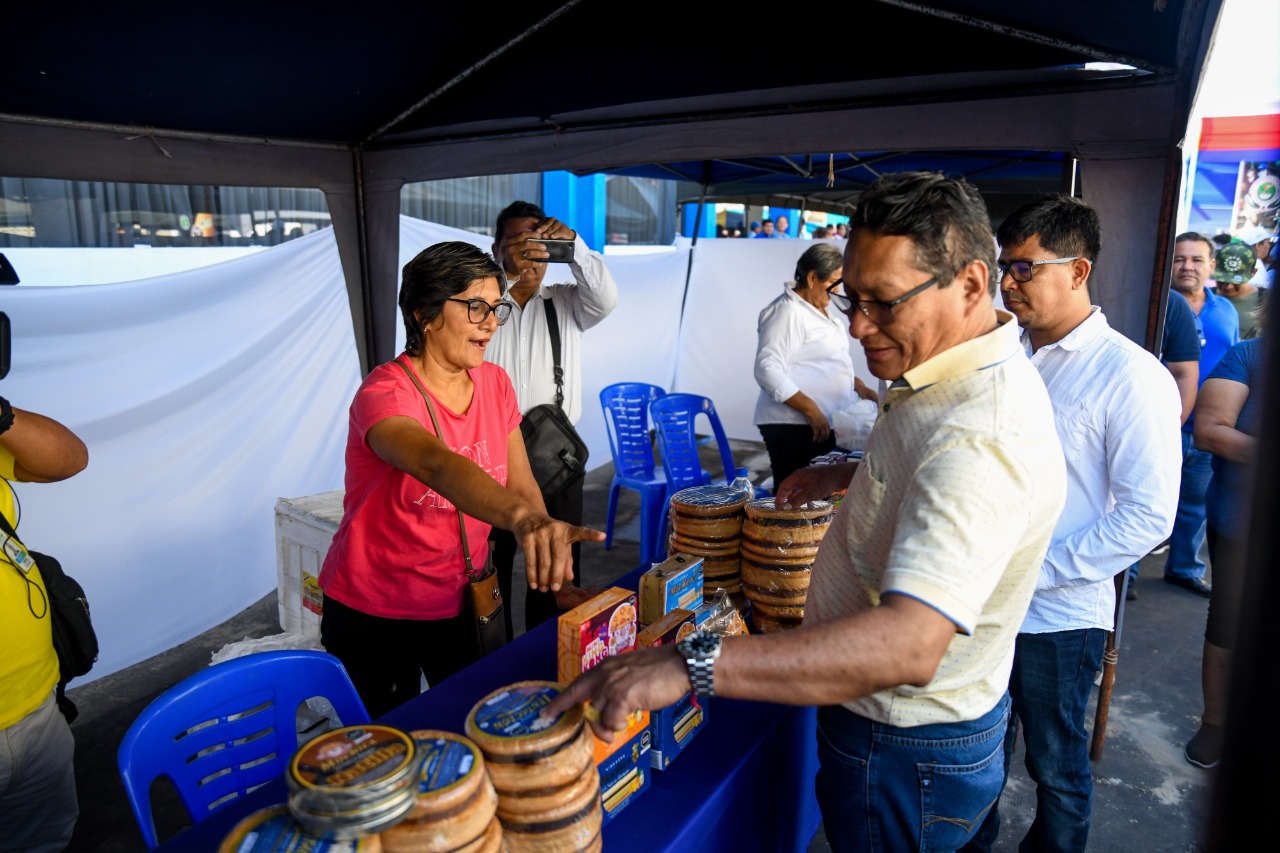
(206, 395)
(733, 280)
(203, 397)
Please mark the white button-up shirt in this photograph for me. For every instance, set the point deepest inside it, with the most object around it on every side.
(522, 346)
(801, 348)
(1117, 413)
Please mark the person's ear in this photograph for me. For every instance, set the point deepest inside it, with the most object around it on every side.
(1080, 270)
(975, 279)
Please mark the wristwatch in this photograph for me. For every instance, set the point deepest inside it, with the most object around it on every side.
(700, 650)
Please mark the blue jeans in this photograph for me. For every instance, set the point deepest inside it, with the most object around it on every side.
(926, 788)
(1188, 525)
(1050, 685)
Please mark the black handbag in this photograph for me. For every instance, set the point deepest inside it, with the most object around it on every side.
(74, 640)
(557, 454)
(482, 599)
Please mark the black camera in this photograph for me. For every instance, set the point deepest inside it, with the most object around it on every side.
(561, 251)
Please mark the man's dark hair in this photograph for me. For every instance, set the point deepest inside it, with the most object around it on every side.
(1065, 225)
(945, 217)
(516, 210)
(1195, 236)
(432, 277)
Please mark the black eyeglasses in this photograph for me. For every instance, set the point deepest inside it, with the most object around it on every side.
(880, 313)
(478, 310)
(1023, 270)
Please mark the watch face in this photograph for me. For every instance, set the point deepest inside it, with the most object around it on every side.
(701, 643)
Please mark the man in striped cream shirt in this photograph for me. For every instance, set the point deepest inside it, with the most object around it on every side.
(924, 576)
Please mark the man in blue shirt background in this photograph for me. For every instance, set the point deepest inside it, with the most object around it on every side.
(1218, 328)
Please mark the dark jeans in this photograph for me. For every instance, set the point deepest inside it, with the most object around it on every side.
(1050, 684)
(883, 788)
(386, 658)
(791, 447)
(538, 606)
(1189, 523)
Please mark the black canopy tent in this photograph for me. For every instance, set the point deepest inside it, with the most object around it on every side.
(358, 105)
(358, 101)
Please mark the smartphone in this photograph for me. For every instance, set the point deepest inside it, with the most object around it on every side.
(561, 251)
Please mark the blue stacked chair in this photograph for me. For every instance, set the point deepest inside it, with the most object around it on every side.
(626, 417)
(676, 417)
(228, 729)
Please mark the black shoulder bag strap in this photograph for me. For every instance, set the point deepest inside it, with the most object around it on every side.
(67, 707)
(553, 329)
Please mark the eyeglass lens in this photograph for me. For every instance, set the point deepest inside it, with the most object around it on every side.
(1020, 270)
(478, 310)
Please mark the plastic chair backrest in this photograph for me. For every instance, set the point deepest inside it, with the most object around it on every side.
(626, 417)
(228, 729)
(676, 418)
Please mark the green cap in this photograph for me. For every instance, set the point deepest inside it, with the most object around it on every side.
(1235, 263)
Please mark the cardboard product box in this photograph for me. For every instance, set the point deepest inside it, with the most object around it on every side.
(676, 582)
(667, 631)
(637, 722)
(625, 775)
(674, 727)
(606, 625)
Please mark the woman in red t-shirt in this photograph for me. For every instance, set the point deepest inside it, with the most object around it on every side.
(394, 575)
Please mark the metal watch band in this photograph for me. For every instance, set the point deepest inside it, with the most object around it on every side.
(702, 675)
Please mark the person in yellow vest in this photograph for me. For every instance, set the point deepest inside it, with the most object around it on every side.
(38, 807)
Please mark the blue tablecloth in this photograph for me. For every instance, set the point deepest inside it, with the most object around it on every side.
(744, 783)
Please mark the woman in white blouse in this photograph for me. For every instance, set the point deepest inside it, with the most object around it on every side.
(803, 365)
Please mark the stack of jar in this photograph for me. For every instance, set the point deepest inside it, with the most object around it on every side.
(542, 768)
(778, 548)
(706, 521)
(456, 810)
(354, 781)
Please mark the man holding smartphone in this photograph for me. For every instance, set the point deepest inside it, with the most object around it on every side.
(526, 240)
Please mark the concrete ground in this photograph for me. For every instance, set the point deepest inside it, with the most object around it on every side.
(1146, 796)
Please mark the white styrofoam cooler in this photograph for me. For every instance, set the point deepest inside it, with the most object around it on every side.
(304, 529)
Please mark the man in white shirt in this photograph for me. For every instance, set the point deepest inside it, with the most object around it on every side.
(1118, 415)
(522, 346)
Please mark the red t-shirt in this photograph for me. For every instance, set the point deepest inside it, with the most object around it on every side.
(397, 552)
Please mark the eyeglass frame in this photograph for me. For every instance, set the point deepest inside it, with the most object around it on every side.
(860, 304)
(1007, 269)
(489, 309)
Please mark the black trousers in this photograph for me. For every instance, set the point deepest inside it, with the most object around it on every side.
(538, 606)
(791, 447)
(386, 658)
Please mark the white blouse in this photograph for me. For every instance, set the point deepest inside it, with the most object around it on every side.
(800, 348)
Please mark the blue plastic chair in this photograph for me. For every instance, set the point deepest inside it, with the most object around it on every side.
(676, 418)
(228, 729)
(626, 418)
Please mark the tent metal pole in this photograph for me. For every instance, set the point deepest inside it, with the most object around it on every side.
(467, 72)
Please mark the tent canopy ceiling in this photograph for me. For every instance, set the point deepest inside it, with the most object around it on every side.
(435, 71)
(359, 102)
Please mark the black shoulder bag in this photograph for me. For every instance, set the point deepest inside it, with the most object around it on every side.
(74, 639)
(482, 599)
(557, 454)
